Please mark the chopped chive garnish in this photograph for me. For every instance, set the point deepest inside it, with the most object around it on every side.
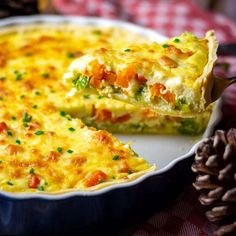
(86, 96)
(18, 75)
(176, 40)
(70, 151)
(1, 98)
(71, 129)
(37, 93)
(139, 93)
(18, 141)
(70, 55)
(81, 82)
(59, 149)
(31, 171)
(115, 158)
(10, 183)
(13, 118)
(101, 181)
(45, 75)
(165, 46)
(40, 188)
(26, 118)
(62, 113)
(22, 96)
(97, 32)
(0, 161)
(127, 50)
(2, 78)
(130, 172)
(34, 106)
(46, 183)
(39, 132)
(99, 96)
(9, 133)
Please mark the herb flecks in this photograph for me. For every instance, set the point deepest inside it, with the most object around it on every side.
(139, 93)
(86, 96)
(71, 129)
(26, 119)
(81, 82)
(40, 188)
(9, 133)
(45, 75)
(70, 55)
(59, 149)
(176, 40)
(18, 75)
(165, 46)
(115, 158)
(39, 132)
(10, 183)
(63, 113)
(32, 171)
(18, 141)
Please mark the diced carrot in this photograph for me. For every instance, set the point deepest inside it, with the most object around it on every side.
(53, 156)
(169, 97)
(3, 127)
(78, 160)
(123, 167)
(33, 181)
(121, 119)
(166, 61)
(97, 74)
(103, 115)
(103, 136)
(147, 113)
(125, 76)
(95, 178)
(13, 149)
(109, 77)
(174, 50)
(159, 90)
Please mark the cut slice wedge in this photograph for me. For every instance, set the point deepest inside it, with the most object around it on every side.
(174, 78)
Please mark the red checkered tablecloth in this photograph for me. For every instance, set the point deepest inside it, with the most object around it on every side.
(170, 17)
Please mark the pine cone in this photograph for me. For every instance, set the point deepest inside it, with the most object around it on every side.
(18, 7)
(215, 164)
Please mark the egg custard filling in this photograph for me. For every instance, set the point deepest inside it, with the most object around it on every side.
(173, 78)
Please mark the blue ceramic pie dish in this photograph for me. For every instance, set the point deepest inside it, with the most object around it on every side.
(107, 210)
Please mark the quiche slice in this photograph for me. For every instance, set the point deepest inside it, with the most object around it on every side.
(173, 78)
(49, 152)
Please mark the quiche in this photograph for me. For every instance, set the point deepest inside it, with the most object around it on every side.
(45, 145)
(42, 149)
(173, 78)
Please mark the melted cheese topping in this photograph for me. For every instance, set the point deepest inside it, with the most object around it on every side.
(166, 73)
(41, 147)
